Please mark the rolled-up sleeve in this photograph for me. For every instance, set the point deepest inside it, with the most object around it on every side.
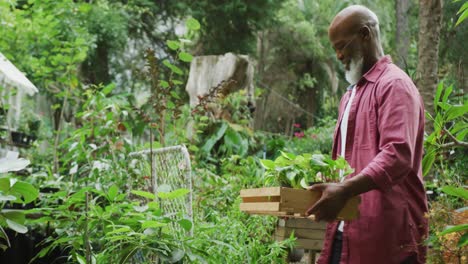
(398, 120)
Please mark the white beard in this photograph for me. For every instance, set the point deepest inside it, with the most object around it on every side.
(355, 70)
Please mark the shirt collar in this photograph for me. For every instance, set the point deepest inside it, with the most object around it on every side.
(377, 69)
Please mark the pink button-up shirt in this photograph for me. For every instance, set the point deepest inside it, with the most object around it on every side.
(385, 142)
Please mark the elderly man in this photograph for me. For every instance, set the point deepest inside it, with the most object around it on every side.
(380, 133)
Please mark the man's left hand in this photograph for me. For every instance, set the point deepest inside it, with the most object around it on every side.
(333, 199)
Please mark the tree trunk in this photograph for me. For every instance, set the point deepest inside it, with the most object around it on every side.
(430, 18)
(402, 33)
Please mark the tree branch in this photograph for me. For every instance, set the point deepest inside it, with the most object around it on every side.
(455, 142)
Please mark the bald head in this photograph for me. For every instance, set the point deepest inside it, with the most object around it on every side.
(351, 19)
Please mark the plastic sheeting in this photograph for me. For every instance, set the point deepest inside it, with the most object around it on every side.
(10, 76)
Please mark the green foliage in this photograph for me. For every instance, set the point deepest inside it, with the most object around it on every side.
(450, 128)
(300, 171)
(230, 26)
(463, 194)
(229, 132)
(226, 233)
(103, 200)
(116, 226)
(14, 191)
(463, 12)
(316, 139)
(456, 191)
(448, 138)
(163, 107)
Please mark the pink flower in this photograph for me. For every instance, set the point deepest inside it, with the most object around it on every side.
(297, 125)
(299, 134)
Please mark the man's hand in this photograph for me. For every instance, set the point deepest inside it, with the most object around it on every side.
(333, 199)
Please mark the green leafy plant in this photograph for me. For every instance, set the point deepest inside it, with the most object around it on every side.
(224, 232)
(14, 191)
(450, 127)
(462, 194)
(110, 226)
(463, 12)
(300, 171)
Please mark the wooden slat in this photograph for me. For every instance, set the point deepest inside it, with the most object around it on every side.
(295, 201)
(302, 223)
(258, 192)
(260, 199)
(267, 207)
(299, 199)
(300, 232)
(272, 213)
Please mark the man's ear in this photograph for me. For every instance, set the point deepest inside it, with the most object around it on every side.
(365, 33)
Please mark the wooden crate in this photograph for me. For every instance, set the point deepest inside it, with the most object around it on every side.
(283, 201)
(309, 234)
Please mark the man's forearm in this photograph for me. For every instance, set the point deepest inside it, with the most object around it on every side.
(358, 184)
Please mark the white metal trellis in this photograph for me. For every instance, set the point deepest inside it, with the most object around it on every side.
(171, 166)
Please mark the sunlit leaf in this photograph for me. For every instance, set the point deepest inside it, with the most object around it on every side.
(175, 95)
(457, 111)
(186, 57)
(174, 194)
(144, 194)
(440, 88)
(124, 229)
(172, 67)
(152, 224)
(456, 191)
(163, 84)
(108, 89)
(81, 260)
(173, 45)
(462, 17)
(16, 226)
(289, 156)
(193, 24)
(24, 190)
(112, 193)
(185, 223)
(14, 215)
(447, 93)
(267, 164)
(457, 228)
(427, 162)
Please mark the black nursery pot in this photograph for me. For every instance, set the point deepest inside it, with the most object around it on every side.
(16, 137)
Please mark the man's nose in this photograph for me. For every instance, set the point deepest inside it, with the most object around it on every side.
(339, 55)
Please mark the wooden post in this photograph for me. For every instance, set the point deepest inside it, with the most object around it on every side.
(311, 259)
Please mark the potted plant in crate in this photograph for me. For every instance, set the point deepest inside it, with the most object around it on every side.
(292, 174)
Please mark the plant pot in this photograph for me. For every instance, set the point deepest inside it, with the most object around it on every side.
(21, 139)
(16, 137)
